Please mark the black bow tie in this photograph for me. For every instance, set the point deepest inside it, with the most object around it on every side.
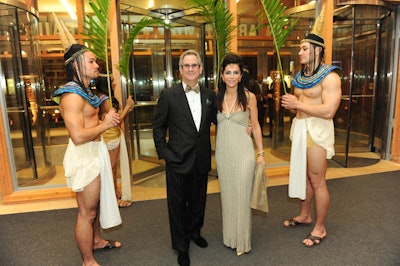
(196, 89)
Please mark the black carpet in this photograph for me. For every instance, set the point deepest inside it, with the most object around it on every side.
(363, 229)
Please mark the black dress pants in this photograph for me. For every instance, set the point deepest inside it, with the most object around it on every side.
(186, 197)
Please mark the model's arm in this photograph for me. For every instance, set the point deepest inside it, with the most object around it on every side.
(128, 107)
(84, 127)
(331, 96)
(256, 129)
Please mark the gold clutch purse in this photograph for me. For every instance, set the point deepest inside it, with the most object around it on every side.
(259, 198)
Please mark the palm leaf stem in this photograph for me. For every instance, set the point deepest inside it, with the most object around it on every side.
(274, 16)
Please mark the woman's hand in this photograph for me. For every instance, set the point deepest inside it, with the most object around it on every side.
(130, 103)
(261, 160)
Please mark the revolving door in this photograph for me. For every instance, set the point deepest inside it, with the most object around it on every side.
(21, 86)
(363, 39)
(155, 66)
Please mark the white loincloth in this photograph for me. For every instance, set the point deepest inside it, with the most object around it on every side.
(322, 133)
(82, 164)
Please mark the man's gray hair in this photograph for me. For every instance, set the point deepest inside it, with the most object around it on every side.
(190, 52)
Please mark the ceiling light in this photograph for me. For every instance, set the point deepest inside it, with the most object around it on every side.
(71, 13)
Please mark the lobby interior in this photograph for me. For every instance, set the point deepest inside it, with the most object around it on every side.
(365, 138)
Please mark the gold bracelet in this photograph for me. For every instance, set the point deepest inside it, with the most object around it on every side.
(261, 155)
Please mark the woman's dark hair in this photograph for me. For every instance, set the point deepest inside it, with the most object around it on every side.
(246, 78)
(232, 58)
(102, 88)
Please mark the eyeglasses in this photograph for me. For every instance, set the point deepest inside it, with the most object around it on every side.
(187, 66)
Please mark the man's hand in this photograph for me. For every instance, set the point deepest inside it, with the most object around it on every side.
(112, 118)
(289, 101)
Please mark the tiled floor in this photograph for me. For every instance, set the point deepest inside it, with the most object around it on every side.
(153, 187)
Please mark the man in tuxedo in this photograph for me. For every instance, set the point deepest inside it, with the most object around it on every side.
(186, 112)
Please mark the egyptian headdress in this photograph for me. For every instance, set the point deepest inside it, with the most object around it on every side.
(315, 37)
(72, 51)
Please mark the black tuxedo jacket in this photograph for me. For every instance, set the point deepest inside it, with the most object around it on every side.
(184, 147)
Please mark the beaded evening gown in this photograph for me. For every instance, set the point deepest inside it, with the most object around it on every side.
(235, 161)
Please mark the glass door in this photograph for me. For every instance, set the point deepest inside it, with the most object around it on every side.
(363, 41)
(21, 97)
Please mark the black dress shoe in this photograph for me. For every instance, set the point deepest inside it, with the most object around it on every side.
(200, 241)
(183, 258)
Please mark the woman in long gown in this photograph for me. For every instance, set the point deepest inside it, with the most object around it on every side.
(235, 155)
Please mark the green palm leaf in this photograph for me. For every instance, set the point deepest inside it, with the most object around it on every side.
(273, 13)
(96, 29)
(216, 13)
(123, 66)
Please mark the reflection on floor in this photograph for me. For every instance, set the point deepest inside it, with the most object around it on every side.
(153, 187)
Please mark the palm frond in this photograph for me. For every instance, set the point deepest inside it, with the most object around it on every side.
(273, 13)
(216, 13)
(96, 29)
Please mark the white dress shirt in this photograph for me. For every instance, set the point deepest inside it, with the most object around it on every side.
(194, 101)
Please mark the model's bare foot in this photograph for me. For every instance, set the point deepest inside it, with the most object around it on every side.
(106, 244)
(315, 237)
(296, 221)
(313, 240)
(124, 203)
(91, 263)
